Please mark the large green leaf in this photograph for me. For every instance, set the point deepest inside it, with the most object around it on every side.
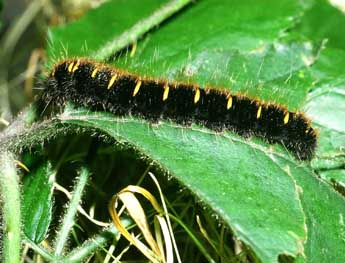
(240, 179)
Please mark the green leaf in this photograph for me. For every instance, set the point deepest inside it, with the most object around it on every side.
(263, 195)
(325, 211)
(329, 96)
(238, 178)
(37, 202)
(325, 106)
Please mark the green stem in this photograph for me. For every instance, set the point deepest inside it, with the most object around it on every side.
(41, 251)
(68, 221)
(10, 195)
(91, 245)
(130, 36)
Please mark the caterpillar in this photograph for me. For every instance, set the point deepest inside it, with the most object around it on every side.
(103, 87)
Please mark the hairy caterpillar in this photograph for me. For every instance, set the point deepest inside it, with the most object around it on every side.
(102, 87)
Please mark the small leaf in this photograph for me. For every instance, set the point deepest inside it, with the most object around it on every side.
(37, 202)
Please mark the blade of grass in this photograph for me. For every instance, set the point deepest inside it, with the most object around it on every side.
(197, 242)
(41, 251)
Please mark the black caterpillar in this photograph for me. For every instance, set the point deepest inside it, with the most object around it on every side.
(101, 87)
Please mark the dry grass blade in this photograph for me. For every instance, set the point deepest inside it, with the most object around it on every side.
(137, 213)
(154, 179)
(80, 208)
(160, 248)
(162, 227)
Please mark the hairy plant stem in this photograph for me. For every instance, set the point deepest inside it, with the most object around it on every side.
(86, 249)
(10, 197)
(69, 218)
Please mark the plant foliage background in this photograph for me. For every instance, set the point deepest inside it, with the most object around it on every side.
(288, 52)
